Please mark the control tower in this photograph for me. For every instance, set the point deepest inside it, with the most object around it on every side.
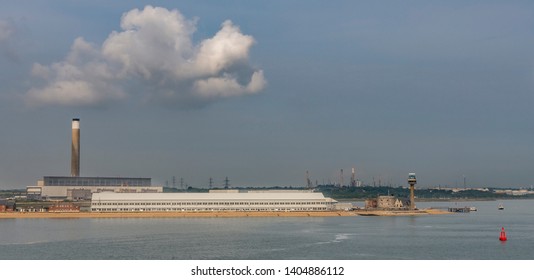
(412, 181)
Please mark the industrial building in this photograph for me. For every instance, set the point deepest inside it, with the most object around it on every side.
(231, 200)
(81, 188)
(75, 187)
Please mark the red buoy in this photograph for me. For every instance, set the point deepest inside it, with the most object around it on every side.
(503, 235)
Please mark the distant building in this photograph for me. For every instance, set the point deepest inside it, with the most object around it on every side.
(81, 188)
(514, 192)
(7, 205)
(33, 193)
(63, 207)
(343, 206)
(371, 203)
(398, 203)
(79, 194)
(387, 202)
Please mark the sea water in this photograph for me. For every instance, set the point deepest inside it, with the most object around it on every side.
(461, 236)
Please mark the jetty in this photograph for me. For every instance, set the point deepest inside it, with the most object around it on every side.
(459, 209)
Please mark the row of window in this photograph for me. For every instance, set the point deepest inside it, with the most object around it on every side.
(205, 209)
(83, 181)
(208, 203)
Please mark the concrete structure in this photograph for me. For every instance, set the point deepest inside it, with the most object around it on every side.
(371, 203)
(399, 203)
(213, 201)
(75, 149)
(80, 188)
(343, 206)
(387, 202)
(79, 194)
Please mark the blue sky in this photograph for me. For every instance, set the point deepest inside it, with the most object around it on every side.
(263, 91)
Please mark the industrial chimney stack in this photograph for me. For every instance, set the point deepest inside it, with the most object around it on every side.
(75, 151)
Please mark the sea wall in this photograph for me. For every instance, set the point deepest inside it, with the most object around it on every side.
(81, 215)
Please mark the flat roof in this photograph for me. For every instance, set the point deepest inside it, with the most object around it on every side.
(208, 196)
(95, 181)
(85, 178)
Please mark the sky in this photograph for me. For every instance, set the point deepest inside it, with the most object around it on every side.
(263, 91)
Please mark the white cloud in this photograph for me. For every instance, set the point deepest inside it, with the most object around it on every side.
(257, 82)
(6, 30)
(75, 92)
(82, 79)
(228, 86)
(226, 48)
(154, 51)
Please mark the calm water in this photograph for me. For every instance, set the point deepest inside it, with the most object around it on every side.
(442, 237)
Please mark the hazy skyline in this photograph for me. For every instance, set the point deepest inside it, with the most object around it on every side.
(263, 91)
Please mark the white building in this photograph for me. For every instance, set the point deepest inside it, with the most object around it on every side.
(213, 201)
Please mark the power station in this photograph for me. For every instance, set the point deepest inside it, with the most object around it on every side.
(74, 187)
(125, 194)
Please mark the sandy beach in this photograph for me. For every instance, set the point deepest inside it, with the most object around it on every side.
(82, 215)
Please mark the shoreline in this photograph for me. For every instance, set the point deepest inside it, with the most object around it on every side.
(244, 214)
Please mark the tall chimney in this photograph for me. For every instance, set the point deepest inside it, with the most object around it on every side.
(75, 151)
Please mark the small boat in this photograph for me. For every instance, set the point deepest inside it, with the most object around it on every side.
(500, 207)
(472, 208)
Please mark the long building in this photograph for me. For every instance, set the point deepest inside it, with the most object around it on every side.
(75, 188)
(213, 201)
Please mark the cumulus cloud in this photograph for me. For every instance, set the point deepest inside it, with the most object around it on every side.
(83, 78)
(6, 30)
(227, 86)
(155, 52)
(7, 34)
